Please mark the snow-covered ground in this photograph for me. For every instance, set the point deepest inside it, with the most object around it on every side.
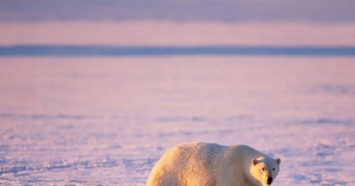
(106, 121)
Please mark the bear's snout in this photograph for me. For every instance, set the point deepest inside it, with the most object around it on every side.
(269, 180)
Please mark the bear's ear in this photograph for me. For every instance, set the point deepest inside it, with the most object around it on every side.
(278, 161)
(254, 161)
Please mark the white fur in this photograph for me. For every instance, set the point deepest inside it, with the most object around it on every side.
(209, 164)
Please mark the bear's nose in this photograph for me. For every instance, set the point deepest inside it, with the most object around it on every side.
(269, 180)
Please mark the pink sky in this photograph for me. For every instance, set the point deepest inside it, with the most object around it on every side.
(163, 33)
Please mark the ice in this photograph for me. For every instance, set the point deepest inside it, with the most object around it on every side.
(106, 121)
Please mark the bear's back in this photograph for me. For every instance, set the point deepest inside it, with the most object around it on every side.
(192, 162)
(201, 155)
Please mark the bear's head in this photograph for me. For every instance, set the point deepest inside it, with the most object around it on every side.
(265, 169)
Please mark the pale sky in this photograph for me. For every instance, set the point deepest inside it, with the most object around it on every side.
(178, 22)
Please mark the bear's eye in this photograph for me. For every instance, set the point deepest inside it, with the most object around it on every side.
(263, 169)
(273, 169)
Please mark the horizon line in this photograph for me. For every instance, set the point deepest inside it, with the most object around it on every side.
(147, 50)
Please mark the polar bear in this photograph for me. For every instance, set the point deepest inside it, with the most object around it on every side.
(210, 164)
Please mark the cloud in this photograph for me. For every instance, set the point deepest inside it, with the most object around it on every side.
(323, 11)
(160, 33)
